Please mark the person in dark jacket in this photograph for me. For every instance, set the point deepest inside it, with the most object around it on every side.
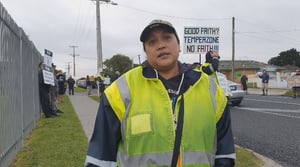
(244, 82)
(265, 82)
(71, 83)
(61, 79)
(44, 90)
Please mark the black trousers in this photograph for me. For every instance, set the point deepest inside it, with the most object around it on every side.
(45, 102)
(71, 90)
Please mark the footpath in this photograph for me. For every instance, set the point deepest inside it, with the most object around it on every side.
(86, 109)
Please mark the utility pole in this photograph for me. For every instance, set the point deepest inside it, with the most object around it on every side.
(99, 41)
(233, 49)
(74, 59)
(98, 30)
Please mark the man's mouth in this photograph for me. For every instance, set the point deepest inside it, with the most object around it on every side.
(163, 54)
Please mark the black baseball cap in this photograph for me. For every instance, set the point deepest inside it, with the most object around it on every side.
(157, 24)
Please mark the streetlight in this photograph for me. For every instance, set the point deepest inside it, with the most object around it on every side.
(99, 42)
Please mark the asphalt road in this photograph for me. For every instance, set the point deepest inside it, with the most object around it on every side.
(269, 125)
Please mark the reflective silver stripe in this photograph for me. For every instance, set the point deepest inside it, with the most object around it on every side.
(213, 90)
(160, 159)
(190, 158)
(126, 96)
(124, 90)
(232, 156)
(145, 159)
(98, 162)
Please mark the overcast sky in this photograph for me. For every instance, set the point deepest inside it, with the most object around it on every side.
(264, 28)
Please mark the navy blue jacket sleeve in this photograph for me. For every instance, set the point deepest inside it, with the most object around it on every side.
(103, 145)
(225, 154)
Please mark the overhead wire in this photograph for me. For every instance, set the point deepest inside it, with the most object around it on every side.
(270, 31)
(84, 21)
(171, 16)
(77, 22)
(89, 19)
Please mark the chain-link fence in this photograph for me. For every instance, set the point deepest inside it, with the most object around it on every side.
(19, 98)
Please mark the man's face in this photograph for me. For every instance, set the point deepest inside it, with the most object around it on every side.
(162, 49)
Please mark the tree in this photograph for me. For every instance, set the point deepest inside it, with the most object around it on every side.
(119, 63)
(289, 57)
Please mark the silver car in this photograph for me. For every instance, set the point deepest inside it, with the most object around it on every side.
(236, 93)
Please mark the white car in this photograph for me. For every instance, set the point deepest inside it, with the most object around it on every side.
(232, 90)
(237, 94)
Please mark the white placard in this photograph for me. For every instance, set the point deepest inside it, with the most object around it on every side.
(47, 71)
(199, 40)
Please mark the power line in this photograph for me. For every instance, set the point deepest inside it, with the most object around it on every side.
(269, 30)
(171, 16)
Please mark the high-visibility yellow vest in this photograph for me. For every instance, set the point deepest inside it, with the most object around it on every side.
(145, 111)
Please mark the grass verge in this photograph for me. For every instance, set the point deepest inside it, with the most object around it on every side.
(80, 90)
(55, 142)
(96, 98)
(245, 158)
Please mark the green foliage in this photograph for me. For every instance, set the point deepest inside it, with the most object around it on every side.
(289, 57)
(58, 141)
(119, 63)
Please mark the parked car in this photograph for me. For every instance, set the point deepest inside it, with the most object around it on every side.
(236, 93)
(81, 83)
(232, 90)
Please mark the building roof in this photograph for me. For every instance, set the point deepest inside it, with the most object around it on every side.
(226, 65)
(241, 64)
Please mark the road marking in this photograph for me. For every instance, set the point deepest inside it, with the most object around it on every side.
(273, 101)
(272, 111)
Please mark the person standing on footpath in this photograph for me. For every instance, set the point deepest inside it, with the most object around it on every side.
(244, 82)
(71, 83)
(100, 83)
(162, 113)
(265, 82)
(88, 85)
(44, 90)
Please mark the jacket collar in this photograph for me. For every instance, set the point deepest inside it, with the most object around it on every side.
(150, 72)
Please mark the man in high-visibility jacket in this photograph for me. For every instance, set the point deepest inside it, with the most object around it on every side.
(162, 113)
(100, 83)
(211, 64)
